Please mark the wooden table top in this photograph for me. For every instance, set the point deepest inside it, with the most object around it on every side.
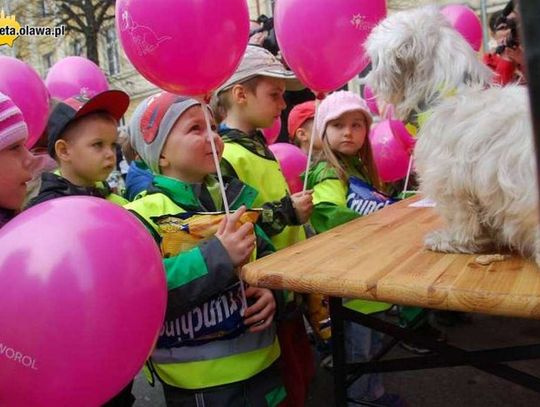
(381, 257)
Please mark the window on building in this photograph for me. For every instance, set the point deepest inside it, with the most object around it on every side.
(112, 51)
(45, 8)
(77, 48)
(47, 62)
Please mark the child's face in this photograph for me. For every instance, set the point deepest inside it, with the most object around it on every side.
(90, 153)
(15, 171)
(265, 104)
(347, 133)
(187, 153)
(304, 134)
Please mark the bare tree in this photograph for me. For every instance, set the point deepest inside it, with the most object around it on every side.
(86, 17)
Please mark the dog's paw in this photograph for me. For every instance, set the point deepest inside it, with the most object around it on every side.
(442, 241)
(439, 241)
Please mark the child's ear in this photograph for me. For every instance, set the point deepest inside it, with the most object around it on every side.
(239, 94)
(163, 162)
(61, 149)
(301, 134)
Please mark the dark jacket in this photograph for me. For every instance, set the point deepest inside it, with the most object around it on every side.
(55, 186)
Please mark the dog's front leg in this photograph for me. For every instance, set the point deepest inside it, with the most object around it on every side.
(465, 233)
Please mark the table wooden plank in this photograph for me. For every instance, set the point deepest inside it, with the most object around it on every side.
(381, 256)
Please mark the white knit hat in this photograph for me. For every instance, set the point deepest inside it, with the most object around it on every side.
(12, 125)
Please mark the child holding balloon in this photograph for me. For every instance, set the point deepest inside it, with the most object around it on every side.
(15, 160)
(343, 178)
(252, 99)
(212, 350)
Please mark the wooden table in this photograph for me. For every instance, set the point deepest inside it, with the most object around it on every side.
(381, 257)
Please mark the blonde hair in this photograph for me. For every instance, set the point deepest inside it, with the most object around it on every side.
(335, 161)
(222, 103)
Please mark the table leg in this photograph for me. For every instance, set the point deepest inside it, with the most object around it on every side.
(338, 351)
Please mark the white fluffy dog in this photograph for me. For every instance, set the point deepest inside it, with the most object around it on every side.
(475, 153)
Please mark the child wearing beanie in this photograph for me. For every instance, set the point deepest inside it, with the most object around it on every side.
(214, 349)
(15, 160)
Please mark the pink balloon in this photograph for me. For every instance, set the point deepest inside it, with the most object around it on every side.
(188, 47)
(323, 42)
(392, 146)
(466, 22)
(293, 162)
(272, 133)
(83, 299)
(72, 76)
(371, 100)
(23, 85)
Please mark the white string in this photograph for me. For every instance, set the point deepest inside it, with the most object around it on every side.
(209, 132)
(408, 175)
(314, 133)
(216, 158)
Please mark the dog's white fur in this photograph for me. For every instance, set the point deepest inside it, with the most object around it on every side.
(475, 153)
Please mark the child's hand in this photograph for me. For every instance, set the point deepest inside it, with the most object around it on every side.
(261, 314)
(303, 205)
(238, 241)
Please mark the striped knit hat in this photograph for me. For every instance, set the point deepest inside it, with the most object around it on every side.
(12, 125)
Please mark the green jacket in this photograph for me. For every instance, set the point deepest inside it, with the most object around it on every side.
(203, 342)
(330, 210)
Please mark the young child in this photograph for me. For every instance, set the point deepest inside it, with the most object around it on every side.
(82, 137)
(211, 350)
(250, 100)
(341, 178)
(16, 162)
(300, 126)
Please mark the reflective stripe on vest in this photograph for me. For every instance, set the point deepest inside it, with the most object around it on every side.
(217, 372)
(254, 171)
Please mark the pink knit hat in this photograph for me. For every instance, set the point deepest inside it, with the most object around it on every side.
(337, 103)
(12, 125)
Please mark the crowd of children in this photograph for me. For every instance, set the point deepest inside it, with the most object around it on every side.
(223, 343)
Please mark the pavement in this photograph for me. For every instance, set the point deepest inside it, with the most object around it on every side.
(442, 387)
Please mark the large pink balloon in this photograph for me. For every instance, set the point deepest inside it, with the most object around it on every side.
(466, 22)
(73, 76)
(293, 162)
(392, 146)
(24, 86)
(323, 41)
(188, 47)
(83, 298)
(272, 133)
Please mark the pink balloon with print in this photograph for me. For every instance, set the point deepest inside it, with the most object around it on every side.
(466, 22)
(187, 47)
(271, 133)
(392, 145)
(73, 76)
(25, 88)
(81, 306)
(293, 162)
(323, 42)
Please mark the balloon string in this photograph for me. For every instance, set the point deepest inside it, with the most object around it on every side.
(216, 158)
(220, 179)
(408, 175)
(314, 133)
